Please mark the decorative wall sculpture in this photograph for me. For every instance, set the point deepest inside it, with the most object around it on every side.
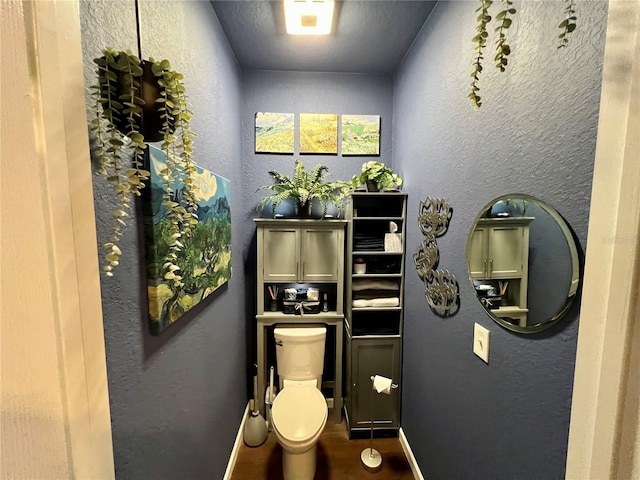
(441, 286)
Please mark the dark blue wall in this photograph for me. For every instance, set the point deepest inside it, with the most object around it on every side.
(176, 399)
(535, 134)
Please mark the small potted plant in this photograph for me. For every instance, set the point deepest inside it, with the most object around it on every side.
(303, 187)
(377, 177)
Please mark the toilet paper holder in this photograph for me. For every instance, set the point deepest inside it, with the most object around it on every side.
(370, 457)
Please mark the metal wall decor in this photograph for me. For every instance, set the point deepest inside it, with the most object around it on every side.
(441, 286)
(434, 216)
(426, 257)
(442, 292)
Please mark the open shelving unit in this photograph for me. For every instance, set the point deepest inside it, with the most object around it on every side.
(373, 318)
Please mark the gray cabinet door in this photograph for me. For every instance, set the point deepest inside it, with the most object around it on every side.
(369, 357)
(280, 254)
(321, 251)
(506, 251)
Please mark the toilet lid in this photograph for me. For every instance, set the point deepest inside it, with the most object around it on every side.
(299, 412)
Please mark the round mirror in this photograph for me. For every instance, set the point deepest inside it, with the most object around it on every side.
(523, 263)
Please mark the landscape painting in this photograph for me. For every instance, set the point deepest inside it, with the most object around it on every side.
(205, 258)
(361, 135)
(274, 132)
(319, 133)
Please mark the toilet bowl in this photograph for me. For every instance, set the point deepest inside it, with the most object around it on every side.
(299, 415)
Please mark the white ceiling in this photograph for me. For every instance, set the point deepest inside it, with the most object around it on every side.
(369, 36)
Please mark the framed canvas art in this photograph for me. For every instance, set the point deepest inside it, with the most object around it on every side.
(204, 260)
(274, 132)
(319, 133)
(361, 135)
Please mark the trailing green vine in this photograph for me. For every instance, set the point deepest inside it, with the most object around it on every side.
(113, 109)
(502, 48)
(481, 41)
(568, 25)
(504, 19)
(177, 145)
(120, 146)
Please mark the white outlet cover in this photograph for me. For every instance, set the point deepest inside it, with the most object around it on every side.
(481, 342)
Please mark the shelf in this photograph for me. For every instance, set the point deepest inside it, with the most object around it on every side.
(289, 316)
(508, 310)
(376, 275)
(393, 219)
(374, 252)
(375, 309)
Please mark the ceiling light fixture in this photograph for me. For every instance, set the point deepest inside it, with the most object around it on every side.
(308, 17)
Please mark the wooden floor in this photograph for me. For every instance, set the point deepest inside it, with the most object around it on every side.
(338, 458)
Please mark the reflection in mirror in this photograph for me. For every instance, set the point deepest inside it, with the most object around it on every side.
(523, 263)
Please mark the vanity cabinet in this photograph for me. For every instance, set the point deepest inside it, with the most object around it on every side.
(374, 305)
(499, 250)
(301, 253)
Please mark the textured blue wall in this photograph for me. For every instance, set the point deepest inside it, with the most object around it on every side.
(176, 399)
(535, 134)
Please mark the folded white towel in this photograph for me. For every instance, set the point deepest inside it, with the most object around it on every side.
(377, 302)
(374, 284)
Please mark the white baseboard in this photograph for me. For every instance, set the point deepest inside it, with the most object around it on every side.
(409, 454)
(236, 446)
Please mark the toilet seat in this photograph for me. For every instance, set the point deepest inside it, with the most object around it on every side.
(299, 412)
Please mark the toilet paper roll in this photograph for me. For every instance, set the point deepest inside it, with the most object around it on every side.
(382, 384)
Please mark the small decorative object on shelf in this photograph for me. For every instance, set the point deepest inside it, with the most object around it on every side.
(359, 266)
(377, 177)
(273, 291)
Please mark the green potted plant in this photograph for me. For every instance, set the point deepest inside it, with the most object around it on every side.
(377, 177)
(302, 188)
(137, 102)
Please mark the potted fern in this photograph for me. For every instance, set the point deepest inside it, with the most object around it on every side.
(303, 188)
(137, 102)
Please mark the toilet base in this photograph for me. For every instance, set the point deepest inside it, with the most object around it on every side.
(299, 466)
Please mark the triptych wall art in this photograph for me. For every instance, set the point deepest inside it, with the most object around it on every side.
(205, 258)
(318, 134)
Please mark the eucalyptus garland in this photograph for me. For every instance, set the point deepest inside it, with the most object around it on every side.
(502, 48)
(120, 156)
(177, 145)
(120, 147)
(568, 25)
(481, 41)
(504, 19)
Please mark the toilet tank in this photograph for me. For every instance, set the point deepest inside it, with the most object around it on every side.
(300, 352)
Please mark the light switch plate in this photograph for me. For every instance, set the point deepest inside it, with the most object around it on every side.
(481, 342)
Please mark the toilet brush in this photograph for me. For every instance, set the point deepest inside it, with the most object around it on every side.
(255, 429)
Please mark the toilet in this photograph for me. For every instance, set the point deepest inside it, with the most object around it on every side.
(299, 411)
